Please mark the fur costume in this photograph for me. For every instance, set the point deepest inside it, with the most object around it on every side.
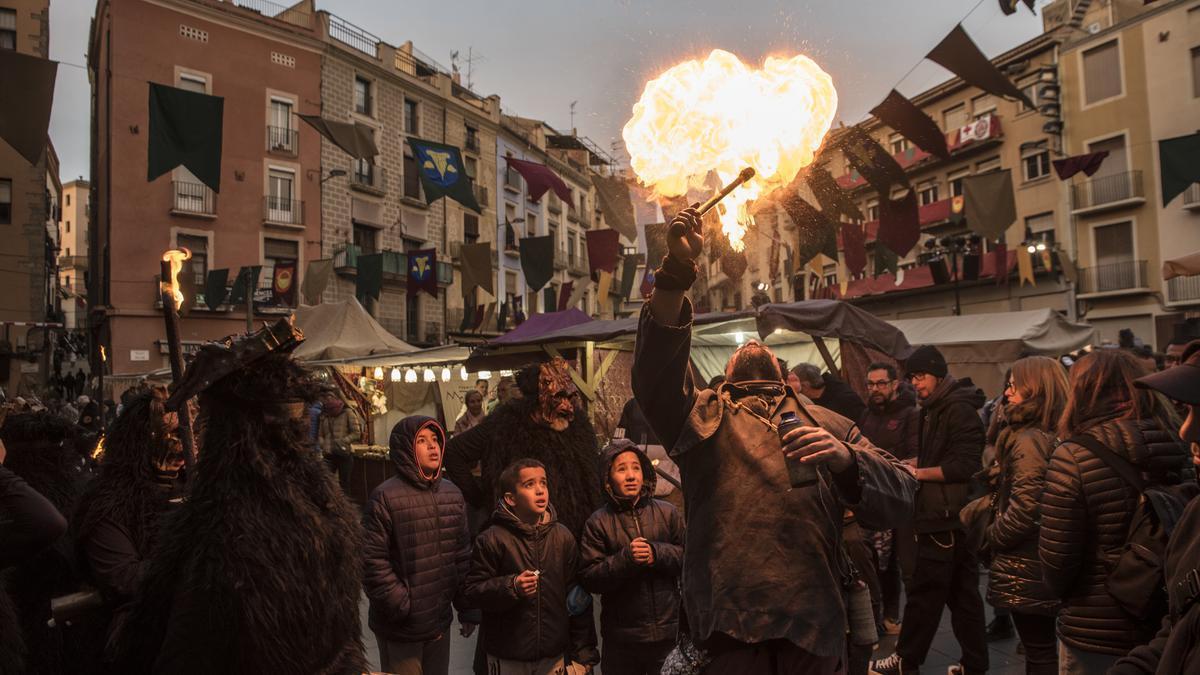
(41, 451)
(259, 571)
(510, 433)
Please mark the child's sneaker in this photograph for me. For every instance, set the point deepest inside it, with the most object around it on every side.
(888, 666)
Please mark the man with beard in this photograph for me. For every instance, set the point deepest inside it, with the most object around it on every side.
(259, 570)
(781, 609)
(117, 520)
(544, 424)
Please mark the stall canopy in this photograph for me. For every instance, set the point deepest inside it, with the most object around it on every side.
(343, 330)
(983, 346)
(542, 324)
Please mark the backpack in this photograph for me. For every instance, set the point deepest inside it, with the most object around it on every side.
(1137, 581)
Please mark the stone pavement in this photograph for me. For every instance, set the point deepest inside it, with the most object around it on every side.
(945, 652)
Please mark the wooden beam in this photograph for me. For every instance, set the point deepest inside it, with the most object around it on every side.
(825, 355)
(579, 381)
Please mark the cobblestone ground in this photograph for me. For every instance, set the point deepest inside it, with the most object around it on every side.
(1004, 657)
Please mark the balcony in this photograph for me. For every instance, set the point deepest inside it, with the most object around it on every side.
(1110, 192)
(293, 15)
(982, 132)
(193, 199)
(368, 178)
(395, 266)
(472, 144)
(555, 205)
(560, 259)
(512, 180)
(577, 264)
(352, 36)
(1191, 197)
(283, 141)
(283, 211)
(572, 213)
(1183, 290)
(1121, 278)
(481, 195)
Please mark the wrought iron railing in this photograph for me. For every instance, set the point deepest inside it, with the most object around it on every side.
(194, 198)
(352, 36)
(283, 140)
(370, 176)
(1191, 196)
(1112, 189)
(277, 209)
(1183, 289)
(1122, 276)
(293, 15)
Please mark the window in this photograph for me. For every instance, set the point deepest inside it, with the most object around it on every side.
(68, 198)
(955, 179)
(984, 104)
(928, 193)
(571, 248)
(1101, 72)
(195, 83)
(5, 201)
(8, 29)
(68, 251)
(1036, 163)
(472, 166)
(470, 228)
(552, 230)
(989, 164)
(412, 179)
(281, 206)
(276, 252)
(1115, 268)
(364, 170)
(512, 179)
(68, 227)
(1116, 162)
(1040, 228)
(530, 224)
(410, 116)
(365, 238)
(955, 117)
(198, 245)
(1030, 89)
(873, 210)
(472, 139)
(280, 129)
(362, 96)
(898, 143)
(1196, 72)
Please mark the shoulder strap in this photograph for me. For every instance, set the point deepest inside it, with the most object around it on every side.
(1124, 468)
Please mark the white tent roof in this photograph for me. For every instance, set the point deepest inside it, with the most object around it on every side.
(1043, 331)
(445, 355)
(343, 330)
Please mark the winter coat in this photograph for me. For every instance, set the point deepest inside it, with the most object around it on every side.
(639, 604)
(417, 548)
(1023, 453)
(337, 432)
(28, 521)
(840, 398)
(1176, 648)
(762, 560)
(528, 629)
(895, 426)
(951, 437)
(1086, 509)
(509, 434)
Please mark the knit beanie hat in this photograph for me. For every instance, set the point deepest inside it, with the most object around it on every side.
(926, 359)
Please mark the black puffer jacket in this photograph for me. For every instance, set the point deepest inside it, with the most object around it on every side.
(951, 437)
(417, 546)
(529, 629)
(1023, 453)
(640, 604)
(1086, 508)
(894, 426)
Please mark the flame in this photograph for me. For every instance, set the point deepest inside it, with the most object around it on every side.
(176, 257)
(103, 354)
(720, 114)
(99, 451)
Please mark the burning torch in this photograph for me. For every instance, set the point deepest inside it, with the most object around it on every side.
(745, 175)
(172, 300)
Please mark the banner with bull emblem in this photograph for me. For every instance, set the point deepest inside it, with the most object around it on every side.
(422, 271)
(443, 174)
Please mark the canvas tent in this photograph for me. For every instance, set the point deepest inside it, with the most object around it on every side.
(983, 346)
(343, 330)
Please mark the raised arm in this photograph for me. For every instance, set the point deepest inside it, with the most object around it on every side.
(463, 452)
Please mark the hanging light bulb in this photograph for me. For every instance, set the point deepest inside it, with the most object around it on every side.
(429, 375)
(378, 372)
(739, 337)
(462, 373)
(485, 374)
(506, 373)
(1041, 246)
(410, 376)
(395, 374)
(1031, 248)
(446, 374)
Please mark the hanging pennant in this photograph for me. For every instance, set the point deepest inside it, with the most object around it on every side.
(368, 282)
(854, 246)
(185, 129)
(537, 260)
(502, 318)
(1089, 164)
(283, 284)
(1067, 267)
(899, 223)
(1178, 165)
(29, 82)
(216, 288)
(442, 173)
(817, 234)
(629, 274)
(603, 247)
(476, 262)
(422, 272)
(244, 284)
(468, 318)
(1000, 263)
(538, 179)
(886, 261)
(958, 54)
(549, 299)
(316, 279)
(901, 114)
(518, 310)
(734, 264)
(564, 295)
(1025, 266)
(603, 286)
(832, 199)
(577, 293)
(356, 140)
(867, 157)
(990, 205)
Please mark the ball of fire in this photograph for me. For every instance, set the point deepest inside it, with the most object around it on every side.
(722, 115)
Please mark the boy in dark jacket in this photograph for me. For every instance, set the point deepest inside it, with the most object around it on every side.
(631, 553)
(522, 574)
(418, 550)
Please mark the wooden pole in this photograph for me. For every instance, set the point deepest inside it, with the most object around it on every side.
(825, 355)
(175, 355)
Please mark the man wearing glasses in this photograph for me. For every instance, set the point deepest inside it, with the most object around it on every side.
(946, 572)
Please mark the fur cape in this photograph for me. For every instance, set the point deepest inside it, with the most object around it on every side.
(260, 570)
(569, 456)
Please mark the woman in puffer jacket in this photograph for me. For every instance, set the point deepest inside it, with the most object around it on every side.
(1087, 507)
(1036, 394)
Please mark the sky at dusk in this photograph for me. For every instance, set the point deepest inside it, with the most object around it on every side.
(540, 55)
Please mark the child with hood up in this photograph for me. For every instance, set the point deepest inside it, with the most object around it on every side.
(631, 553)
(418, 550)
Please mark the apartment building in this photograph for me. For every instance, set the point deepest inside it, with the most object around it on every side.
(379, 206)
(265, 61)
(73, 253)
(1130, 78)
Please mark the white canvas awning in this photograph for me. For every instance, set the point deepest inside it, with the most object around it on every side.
(343, 330)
